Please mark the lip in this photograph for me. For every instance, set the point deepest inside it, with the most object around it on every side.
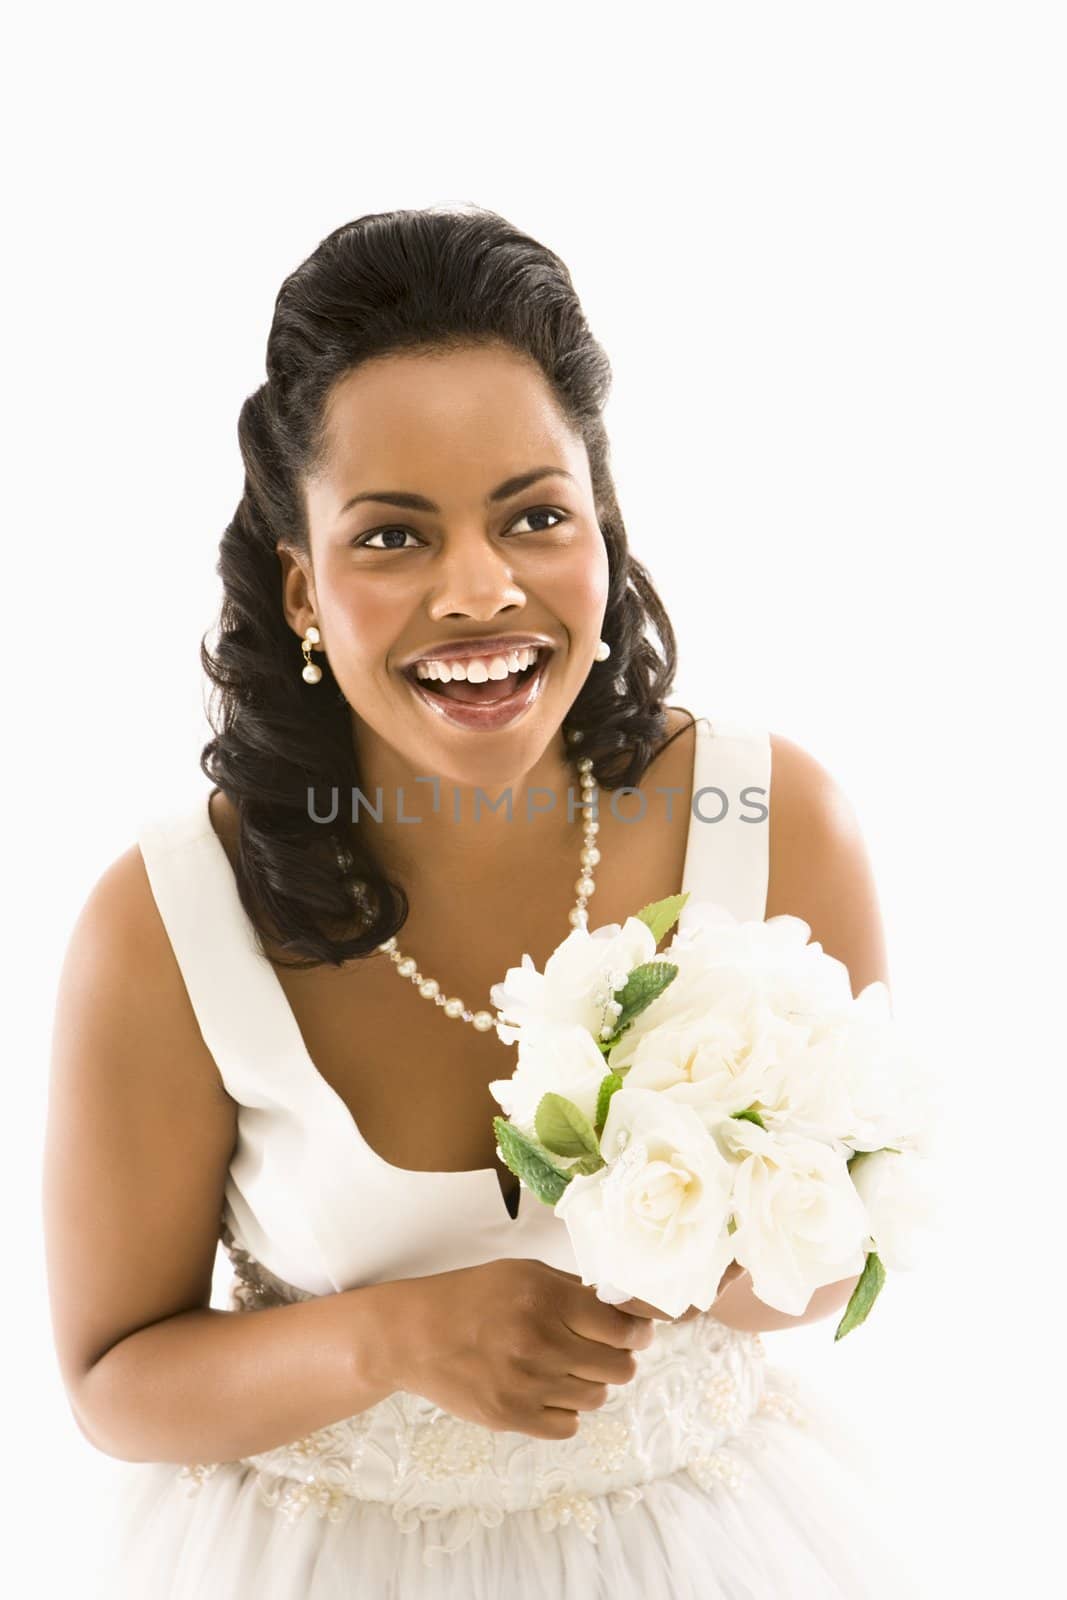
(487, 718)
(499, 644)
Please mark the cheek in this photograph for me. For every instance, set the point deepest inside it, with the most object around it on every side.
(596, 591)
(579, 586)
(361, 624)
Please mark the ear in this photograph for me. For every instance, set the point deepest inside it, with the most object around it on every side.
(298, 588)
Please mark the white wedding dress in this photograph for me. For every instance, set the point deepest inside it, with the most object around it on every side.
(711, 1475)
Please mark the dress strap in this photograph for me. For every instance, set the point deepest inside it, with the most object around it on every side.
(728, 855)
(229, 981)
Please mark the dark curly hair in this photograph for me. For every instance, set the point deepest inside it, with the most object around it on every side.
(439, 278)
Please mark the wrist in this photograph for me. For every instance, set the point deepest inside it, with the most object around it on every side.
(376, 1327)
(384, 1356)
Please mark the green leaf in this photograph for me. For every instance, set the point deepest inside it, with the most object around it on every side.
(588, 1165)
(608, 1087)
(863, 1296)
(749, 1115)
(563, 1128)
(645, 984)
(661, 915)
(529, 1163)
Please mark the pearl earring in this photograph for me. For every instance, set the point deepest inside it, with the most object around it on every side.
(311, 673)
(603, 650)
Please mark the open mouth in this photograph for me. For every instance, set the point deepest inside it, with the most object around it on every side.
(462, 691)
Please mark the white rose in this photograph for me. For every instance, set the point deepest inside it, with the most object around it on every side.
(720, 1062)
(726, 965)
(901, 1198)
(692, 997)
(860, 1082)
(800, 1221)
(777, 953)
(654, 1220)
(562, 1061)
(807, 1092)
(563, 995)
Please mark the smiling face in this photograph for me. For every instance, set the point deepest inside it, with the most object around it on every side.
(445, 544)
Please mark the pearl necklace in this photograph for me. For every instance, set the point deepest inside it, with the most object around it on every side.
(429, 988)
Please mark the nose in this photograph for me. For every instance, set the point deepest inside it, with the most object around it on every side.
(473, 580)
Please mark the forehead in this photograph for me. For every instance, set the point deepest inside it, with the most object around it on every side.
(475, 407)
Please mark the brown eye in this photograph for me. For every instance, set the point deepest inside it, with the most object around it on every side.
(381, 533)
(543, 511)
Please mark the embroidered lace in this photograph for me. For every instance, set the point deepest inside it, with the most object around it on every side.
(698, 1387)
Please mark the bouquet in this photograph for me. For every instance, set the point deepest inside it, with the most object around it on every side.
(730, 1101)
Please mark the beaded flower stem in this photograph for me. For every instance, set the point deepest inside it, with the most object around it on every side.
(453, 1006)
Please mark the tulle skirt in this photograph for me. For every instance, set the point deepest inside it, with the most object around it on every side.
(787, 1510)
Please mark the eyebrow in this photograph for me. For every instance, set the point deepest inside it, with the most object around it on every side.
(419, 502)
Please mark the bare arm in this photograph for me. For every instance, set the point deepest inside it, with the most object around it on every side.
(738, 1307)
(212, 1385)
(139, 1138)
(819, 871)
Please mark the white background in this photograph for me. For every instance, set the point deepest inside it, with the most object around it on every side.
(823, 247)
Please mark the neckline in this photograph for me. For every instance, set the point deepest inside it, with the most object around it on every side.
(478, 1178)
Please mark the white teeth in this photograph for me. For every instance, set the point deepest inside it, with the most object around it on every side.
(476, 669)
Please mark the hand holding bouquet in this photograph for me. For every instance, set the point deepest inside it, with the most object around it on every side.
(730, 1104)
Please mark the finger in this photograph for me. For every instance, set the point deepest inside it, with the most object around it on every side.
(570, 1393)
(641, 1308)
(600, 1323)
(546, 1422)
(592, 1360)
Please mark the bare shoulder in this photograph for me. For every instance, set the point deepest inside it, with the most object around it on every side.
(820, 869)
(808, 801)
(119, 948)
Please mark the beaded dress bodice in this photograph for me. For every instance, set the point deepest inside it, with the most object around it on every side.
(698, 1387)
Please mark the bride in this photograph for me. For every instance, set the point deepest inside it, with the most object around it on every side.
(438, 665)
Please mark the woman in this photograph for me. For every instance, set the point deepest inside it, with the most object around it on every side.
(273, 1028)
